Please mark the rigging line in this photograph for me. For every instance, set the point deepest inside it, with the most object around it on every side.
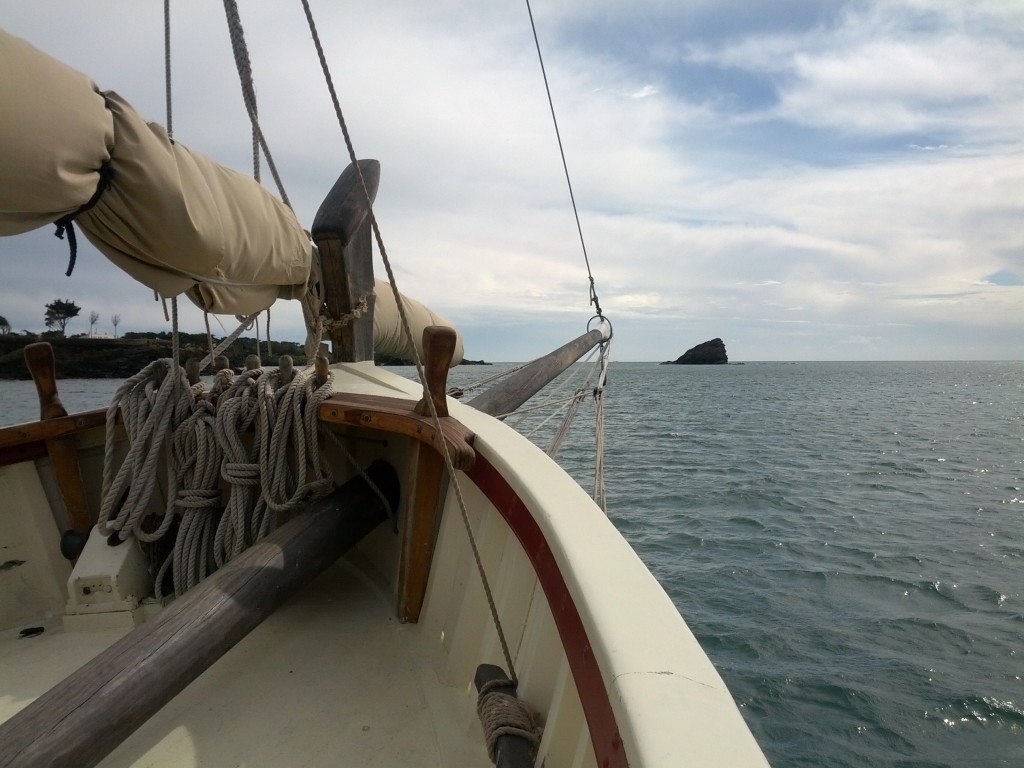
(167, 67)
(463, 508)
(565, 165)
(241, 54)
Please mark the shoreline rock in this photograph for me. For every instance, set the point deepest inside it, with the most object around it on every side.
(706, 353)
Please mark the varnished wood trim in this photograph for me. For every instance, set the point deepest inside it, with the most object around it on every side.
(396, 415)
(425, 494)
(41, 431)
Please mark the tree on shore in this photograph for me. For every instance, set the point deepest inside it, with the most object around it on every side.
(116, 320)
(5, 327)
(94, 317)
(59, 312)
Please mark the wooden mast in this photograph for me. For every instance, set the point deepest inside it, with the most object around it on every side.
(342, 234)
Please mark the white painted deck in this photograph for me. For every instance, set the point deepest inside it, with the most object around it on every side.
(331, 679)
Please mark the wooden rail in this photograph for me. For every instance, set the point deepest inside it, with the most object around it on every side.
(398, 416)
(27, 442)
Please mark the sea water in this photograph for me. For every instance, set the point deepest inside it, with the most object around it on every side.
(846, 540)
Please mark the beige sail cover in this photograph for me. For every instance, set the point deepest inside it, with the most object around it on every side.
(172, 219)
(388, 336)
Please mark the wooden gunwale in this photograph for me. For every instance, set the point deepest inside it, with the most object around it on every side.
(397, 415)
(25, 442)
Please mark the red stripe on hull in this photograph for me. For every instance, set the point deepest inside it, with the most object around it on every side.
(597, 708)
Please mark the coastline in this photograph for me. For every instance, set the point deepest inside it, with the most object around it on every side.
(81, 357)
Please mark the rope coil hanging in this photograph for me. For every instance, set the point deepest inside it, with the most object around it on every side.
(196, 438)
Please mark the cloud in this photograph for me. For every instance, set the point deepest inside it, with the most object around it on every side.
(819, 170)
(891, 68)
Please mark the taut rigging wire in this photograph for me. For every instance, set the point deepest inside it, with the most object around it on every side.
(565, 165)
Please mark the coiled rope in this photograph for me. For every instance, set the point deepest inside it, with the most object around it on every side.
(196, 438)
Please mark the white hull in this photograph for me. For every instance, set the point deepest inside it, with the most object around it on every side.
(334, 678)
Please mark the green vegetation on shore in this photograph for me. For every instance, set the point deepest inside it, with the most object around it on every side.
(81, 357)
(93, 358)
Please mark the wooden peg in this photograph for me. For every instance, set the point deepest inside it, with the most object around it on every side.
(322, 367)
(40, 362)
(63, 451)
(438, 349)
(192, 370)
(285, 369)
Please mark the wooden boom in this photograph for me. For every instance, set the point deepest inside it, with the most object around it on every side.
(505, 397)
(82, 719)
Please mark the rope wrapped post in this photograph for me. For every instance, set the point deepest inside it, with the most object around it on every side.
(509, 727)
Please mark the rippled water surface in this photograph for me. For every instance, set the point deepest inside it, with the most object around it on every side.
(845, 539)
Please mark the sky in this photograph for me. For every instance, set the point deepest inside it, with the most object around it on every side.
(805, 179)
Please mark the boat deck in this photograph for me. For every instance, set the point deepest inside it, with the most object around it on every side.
(339, 679)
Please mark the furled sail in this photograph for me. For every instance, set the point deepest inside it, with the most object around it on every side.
(388, 337)
(170, 218)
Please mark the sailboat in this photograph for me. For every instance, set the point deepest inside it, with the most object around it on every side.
(329, 565)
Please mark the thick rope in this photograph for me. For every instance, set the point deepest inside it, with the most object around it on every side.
(241, 52)
(236, 414)
(198, 458)
(151, 403)
(199, 438)
(290, 466)
(167, 69)
(502, 714)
